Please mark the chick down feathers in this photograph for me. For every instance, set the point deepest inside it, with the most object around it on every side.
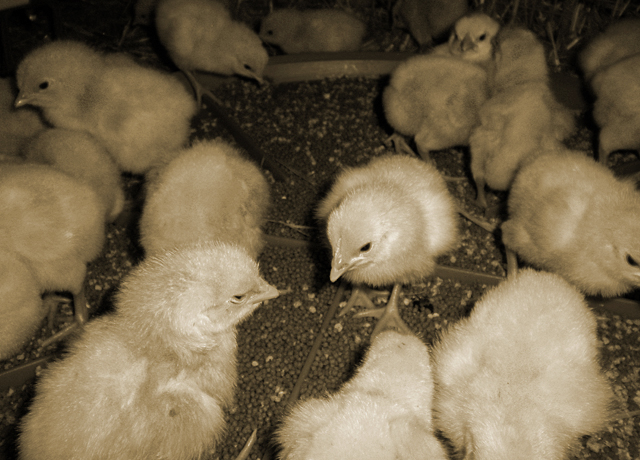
(382, 413)
(519, 378)
(153, 379)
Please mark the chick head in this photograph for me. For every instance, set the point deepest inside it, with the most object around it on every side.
(56, 74)
(186, 297)
(247, 56)
(280, 26)
(473, 37)
(371, 232)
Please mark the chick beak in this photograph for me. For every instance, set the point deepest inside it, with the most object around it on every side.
(265, 292)
(467, 43)
(338, 266)
(22, 99)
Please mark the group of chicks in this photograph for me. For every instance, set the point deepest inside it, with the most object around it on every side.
(518, 378)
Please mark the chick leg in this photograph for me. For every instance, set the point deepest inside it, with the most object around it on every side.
(361, 296)
(389, 316)
(81, 316)
(512, 263)
(399, 144)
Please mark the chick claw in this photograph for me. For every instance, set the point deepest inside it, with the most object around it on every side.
(361, 297)
(389, 316)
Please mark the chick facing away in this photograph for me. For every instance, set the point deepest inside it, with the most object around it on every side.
(387, 222)
(208, 192)
(80, 155)
(325, 29)
(382, 413)
(428, 20)
(570, 215)
(201, 35)
(153, 379)
(138, 114)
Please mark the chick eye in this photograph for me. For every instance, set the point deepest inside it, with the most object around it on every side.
(366, 247)
(43, 85)
(269, 32)
(631, 261)
(482, 37)
(237, 298)
(248, 67)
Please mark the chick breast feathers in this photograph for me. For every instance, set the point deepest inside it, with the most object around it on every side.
(519, 378)
(81, 156)
(318, 30)
(382, 413)
(572, 216)
(201, 35)
(151, 380)
(139, 114)
(387, 221)
(208, 192)
(435, 98)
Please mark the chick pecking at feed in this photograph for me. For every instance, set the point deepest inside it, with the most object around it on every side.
(55, 224)
(387, 222)
(570, 215)
(207, 192)
(520, 377)
(80, 155)
(382, 413)
(152, 379)
(521, 117)
(138, 114)
(427, 19)
(319, 30)
(201, 35)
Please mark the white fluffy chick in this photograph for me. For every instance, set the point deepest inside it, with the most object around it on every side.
(616, 109)
(153, 379)
(139, 114)
(620, 40)
(319, 30)
(80, 155)
(382, 413)
(428, 19)
(209, 191)
(21, 308)
(520, 378)
(17, 126)
(54, 223)
(387, 222)
(570, 215)
(201, 35)
(522, 116)
(473, 38)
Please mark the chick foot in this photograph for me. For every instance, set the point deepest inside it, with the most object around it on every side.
(389, 316)
(198, 90)
(399, 144)
(361, 297)
(81, 315)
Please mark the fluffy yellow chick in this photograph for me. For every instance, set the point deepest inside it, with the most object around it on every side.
(21, 308)
(80, 155)
(382, 413)
(522, 116)
(201, 35)
(428, 20)
(616, 109)
(473, 38)
(139, 114)
(570, 215)
(153, 379)
(17, 126)
(519, 378)
(209, 191)
(325, 29)
(52, 222)
(620, 40)
(387, 221)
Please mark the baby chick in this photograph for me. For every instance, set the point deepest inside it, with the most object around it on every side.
(139, 114)
(54, 223)
(21, 309)
(519, 378)
(209, 191)
(616, 109)
(387, 221)
(473, 38)
(521, 118)
(80, 155)
(382, 413)
(17, 126)
(326, 29)
(428, 20)
(151, 380)
(620, 40)
(201, 35)
(570, 215)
